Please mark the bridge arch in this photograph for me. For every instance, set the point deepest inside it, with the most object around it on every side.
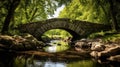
(74, 35)
(75, 27)
(71, 28)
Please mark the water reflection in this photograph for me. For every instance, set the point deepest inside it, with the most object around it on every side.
(50, 64)
(30, 61)
(56, 46)
(10, 60)
(6, 59)
(82, 63)
(23, 62)
(27, 62)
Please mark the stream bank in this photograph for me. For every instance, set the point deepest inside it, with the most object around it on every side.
(81, 49)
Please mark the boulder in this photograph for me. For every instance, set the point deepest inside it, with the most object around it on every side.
(17, 42)
(106, 53)
(83, 44)
(94, 54)
(110, 52)
(97, 46)
(6, 40)
(115, 58)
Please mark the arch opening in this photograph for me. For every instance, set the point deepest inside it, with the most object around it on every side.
(59, 34)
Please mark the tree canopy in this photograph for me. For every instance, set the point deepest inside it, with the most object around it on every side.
(98, 11)
(81, 11)
(15, 12)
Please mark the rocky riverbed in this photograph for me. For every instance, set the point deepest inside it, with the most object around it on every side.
(99, 49)
(19, 43)
(84, 48)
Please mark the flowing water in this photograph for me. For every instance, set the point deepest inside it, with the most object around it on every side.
(57, 46)
(12, 60)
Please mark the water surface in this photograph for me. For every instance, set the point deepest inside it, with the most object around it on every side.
(57, 46)
(13, 60)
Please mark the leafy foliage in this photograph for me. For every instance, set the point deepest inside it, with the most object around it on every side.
(26, 11)
(108, 36)
(97, 11)
(56, 33)
(34, 10)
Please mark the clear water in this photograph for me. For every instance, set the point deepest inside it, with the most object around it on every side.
(12, 60)
(49, 63)
(57, 46)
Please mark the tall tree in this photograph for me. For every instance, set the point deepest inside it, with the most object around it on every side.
(113, 14)
(11, 8)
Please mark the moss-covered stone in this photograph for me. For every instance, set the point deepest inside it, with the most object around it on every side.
(16, 42)
(77, 28)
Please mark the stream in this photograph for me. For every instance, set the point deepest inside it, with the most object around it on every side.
(57, 46)
(12, 60)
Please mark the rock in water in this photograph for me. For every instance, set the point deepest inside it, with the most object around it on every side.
(97, 46)
(94, 54)
(115, 58)
(106, 53)
(83, 44)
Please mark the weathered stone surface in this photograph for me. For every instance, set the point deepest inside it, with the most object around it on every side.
(98, 49)
(76, 28)
(94, 45)
(94, 54)
(83, 43)
(115, 58)
(106, 53)
(16, 42)
(6, 40)
(97, 46)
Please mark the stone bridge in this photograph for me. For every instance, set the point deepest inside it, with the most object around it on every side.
(77, 28)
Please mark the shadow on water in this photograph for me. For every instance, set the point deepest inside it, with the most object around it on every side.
(6, 59)
(12, 60)
(22, 61)
(18, 60)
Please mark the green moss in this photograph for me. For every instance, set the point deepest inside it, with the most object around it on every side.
(96, 35)
(111, 38)
(82, 63)
(107, 36)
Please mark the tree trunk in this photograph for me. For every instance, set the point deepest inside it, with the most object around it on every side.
(12, 7)
(113, 16)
